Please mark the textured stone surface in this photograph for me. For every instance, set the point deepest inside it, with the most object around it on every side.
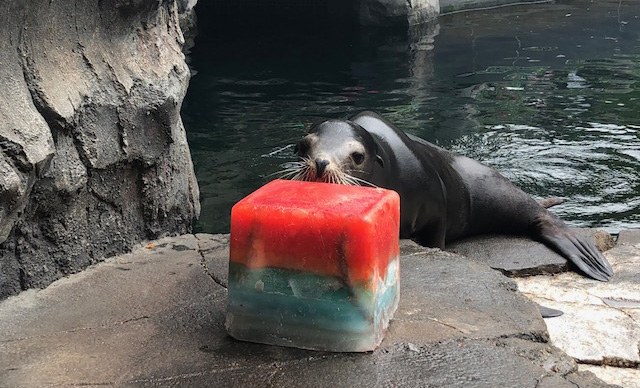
(459, 324)
(521, 256)
(93, 154)
(446, 296)
(627, 378)
(386, 12)
(601, 321)
(326, 13)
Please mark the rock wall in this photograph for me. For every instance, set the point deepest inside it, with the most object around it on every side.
(390, 12)
(319, 13)
(93, 153)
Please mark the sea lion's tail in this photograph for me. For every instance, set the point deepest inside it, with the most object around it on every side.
(580, 250)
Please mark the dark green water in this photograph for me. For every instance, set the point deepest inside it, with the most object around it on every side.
(547, 94)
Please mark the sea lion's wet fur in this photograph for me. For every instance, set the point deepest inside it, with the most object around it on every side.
(444, 196)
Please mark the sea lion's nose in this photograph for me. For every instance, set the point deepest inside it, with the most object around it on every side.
(321, 164)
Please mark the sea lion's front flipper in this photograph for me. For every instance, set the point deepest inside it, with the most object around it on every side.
(578, 249)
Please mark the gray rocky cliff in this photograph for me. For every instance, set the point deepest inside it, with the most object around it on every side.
(390, 12)
(93, 153)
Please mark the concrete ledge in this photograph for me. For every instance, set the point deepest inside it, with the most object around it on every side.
(600, 327)
(520, 256)
(155, 318)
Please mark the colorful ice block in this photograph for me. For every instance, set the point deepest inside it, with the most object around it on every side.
(314, 266)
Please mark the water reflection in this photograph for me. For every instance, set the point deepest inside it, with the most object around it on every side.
(548, 94)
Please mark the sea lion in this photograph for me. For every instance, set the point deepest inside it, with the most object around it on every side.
(444, 196)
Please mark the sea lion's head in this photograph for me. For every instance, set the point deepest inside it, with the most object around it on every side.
(337, 151)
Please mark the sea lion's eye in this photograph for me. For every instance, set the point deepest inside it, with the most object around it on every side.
(357, 157)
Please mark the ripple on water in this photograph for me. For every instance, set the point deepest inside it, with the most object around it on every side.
(596, 173)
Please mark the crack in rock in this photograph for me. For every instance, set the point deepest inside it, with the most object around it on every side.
(203, 263)
(535, 337)
(105, 326)
(464, 332)
(211, 372)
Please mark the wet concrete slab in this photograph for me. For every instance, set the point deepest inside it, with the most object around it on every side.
(156, 318)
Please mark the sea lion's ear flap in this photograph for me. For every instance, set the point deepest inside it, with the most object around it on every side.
(380, 154)
(308, 127)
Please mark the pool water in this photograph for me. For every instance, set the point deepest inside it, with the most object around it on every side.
(548, 94)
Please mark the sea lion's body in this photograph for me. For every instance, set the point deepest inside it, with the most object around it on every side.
(444, 196)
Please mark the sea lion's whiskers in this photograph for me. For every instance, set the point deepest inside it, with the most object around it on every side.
(348, 179)
(364, 182)
(335, 177)
(358, 181)
(304, 170)
(301, 170)
(305, 175)
(302, 174)
(289, 169)
(327, 177)
(285, 174)
(341, 177)
(344, 179)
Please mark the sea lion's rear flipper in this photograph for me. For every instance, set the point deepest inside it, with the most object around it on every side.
(548, 312)
(578, 249)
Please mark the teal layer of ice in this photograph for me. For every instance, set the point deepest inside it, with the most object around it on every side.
(293, 308)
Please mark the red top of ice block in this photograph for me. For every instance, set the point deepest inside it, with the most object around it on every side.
(317, 197)
(317, 227)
